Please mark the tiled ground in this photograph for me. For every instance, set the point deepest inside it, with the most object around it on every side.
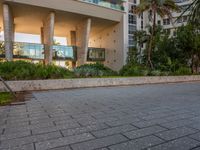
(152, 117)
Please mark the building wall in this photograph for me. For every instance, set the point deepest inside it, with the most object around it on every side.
(113, 40)
(112, 37)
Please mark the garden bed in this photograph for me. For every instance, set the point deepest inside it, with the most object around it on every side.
(5, 98)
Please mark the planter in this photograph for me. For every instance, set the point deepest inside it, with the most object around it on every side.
(36, 85)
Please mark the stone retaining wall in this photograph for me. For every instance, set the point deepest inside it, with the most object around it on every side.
(35, 85)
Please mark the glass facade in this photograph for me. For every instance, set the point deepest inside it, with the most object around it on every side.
(64, 52)
(36, 51)
(113, 4)
(28, 50)
(96, 54)
(132, 22)
(60, 52)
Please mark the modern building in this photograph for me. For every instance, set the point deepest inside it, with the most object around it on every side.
(95, 30)
(177, 21)
(170, 25)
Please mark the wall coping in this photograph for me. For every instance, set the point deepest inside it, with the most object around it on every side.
(55, 84)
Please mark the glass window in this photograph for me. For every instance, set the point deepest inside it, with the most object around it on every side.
(132, 29)
(132, 19)
(185, 18)
(166, 21)
(96, 54)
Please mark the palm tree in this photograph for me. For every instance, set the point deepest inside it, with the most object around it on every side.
(140, 37)
(156, 7)
(194, 9)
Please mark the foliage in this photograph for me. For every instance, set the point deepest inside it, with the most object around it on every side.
(183, 50)
(133, 70)
(155, 73)
(93, 70)
(188, 41)
(183, 71)
(141, 37)
(156, 7)
(166, 56)
(194, 9)
(172, 55)
(5, 98)
(132, 55)
(21, 70)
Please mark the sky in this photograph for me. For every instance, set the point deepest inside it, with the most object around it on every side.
(30, 38)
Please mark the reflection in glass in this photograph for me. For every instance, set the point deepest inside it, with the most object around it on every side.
(96, 54)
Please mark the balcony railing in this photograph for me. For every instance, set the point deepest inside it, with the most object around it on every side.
(96, 54)
(36, 51)
(113, 4)
(28, 50)
(61, 52)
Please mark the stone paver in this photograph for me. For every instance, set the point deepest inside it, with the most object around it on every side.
(182, 144)
(138, 144)
(29, 139)
(151, 117)
(63, 141)
(144, 132)
(176, 133)
(113, 130)
(99, 143)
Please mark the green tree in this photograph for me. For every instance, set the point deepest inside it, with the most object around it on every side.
(132, 56)
(188, 40)
(140, 37)
(194, 9)
(156, 7)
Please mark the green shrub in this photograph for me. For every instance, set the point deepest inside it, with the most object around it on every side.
(155, 73)
(183, 71)
(21, 70)
(134, 70)
(93, 70)
(165, 73)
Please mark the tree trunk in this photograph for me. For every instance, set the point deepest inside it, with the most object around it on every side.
(193, 64)
(140, 53)
(150, 47)
(198, 64)
(149, 62)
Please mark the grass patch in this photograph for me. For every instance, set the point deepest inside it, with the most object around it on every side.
(5, 98)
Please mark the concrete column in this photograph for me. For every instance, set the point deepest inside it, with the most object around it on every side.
(8, 23)
(48, 34)
(83, 33)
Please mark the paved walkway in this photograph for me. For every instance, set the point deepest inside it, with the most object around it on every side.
(153, 117)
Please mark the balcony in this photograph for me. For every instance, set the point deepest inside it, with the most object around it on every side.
(36, 51)
(96, 54)
(113, 4)
(61, 52)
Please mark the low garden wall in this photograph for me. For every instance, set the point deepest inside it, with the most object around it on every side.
(35, 85)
